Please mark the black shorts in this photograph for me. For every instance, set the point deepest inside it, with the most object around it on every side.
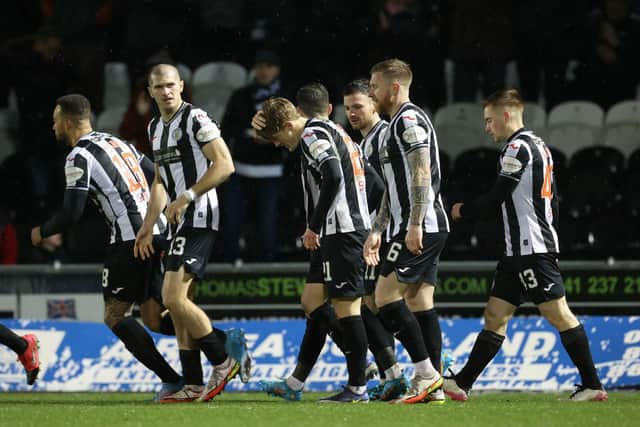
(191, 248)
(372, 272)
(315, 273)
(410, 268)
(535, 278)
(339, 264)
(130, 279)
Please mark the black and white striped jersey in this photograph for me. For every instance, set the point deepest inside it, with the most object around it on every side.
(323, 140)
(409, 130)
(529, 213)
(177, 151)
(370, 144)
(109, 169)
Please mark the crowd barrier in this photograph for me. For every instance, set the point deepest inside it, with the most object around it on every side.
(83, 356)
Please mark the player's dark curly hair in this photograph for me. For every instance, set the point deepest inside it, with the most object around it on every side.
(356, 86)
(75, 106)
(313, 99)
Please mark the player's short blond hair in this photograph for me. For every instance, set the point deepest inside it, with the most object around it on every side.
(394, 69)
(161, 70)
(276, 111)
(505, 98)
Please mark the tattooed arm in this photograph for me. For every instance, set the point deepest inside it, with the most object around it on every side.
(383, 215)
(420, 169)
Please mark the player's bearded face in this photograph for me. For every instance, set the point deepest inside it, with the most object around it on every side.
(359, 108)
(380, 92)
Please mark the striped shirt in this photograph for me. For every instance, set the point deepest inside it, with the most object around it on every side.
(371, 144)
(321, 141)
(109, 169)
(530, 213)
(177, 151)
(409, 130)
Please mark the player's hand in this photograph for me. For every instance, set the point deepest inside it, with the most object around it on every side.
(143, 246)
(258, 121)
(310, 240)
(36, 236)
(455, 211)
(372, 248)
(176, 209)
(413, 239)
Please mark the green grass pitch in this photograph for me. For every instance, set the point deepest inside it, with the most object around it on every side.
(255, 409)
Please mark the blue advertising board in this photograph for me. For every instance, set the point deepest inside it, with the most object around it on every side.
(79, 356)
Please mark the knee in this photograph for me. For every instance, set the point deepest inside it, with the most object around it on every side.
(113, 317)
(310, 302)
(495, 322)
(561, 320)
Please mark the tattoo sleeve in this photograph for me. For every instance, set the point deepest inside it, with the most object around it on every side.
(420, 169)
(383, 215)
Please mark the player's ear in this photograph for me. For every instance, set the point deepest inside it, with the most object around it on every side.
(329, 109)
(395, 88)
(181, 85)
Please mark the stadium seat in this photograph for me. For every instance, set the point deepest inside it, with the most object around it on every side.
(214, 82)
(535, 118)
(185, 73)
(474, 173)
(595, 178)
(109, 120)
(459, 127)
(214, 109)
(117, 87)
(574, 125)
(338, 115)
(622, 126)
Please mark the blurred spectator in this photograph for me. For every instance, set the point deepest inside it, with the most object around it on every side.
(544, 51)
(396, 29)
(82, 26)
(134, 124)
(38, 76)
(8, 238)
(610, 70)
(481, 45)
(258, 174)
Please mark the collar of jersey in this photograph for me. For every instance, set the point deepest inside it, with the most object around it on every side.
(174, 114)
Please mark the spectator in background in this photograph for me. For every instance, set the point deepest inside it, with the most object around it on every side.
(134, 123)
(258, 166)
(8, 238)
(82, 25)
(610, 69)
(544, 51)
(481, 45)
(397, 27)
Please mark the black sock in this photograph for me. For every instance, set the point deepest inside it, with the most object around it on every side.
(191, 367)
(576, 343)
(166, 325)
(313, 340)
(356, 348)
(326, 314)
(213, 348)
(381, 342)
(222, 335)
(397, 318)
(12, 340)
(484, 350)
(138, 341)
(431, 334)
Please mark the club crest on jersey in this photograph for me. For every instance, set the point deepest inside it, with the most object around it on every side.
(368, 150)
(177, 134)
(414, 135)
